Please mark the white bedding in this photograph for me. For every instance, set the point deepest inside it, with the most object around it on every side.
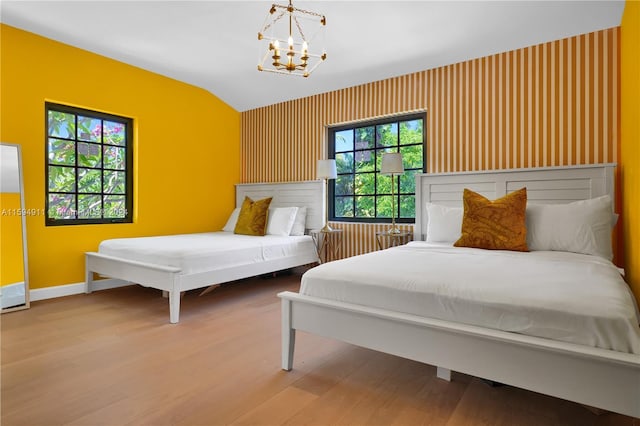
(194, 253)
(557, 295)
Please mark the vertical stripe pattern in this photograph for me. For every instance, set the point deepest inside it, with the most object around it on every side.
(547, 105)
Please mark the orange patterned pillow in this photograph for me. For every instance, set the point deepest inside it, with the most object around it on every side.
(252, 219)
(495, 225)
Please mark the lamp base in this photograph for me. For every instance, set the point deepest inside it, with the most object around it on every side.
(326, 228)
(393, 230)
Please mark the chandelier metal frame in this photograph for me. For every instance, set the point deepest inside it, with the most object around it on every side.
(285, 47)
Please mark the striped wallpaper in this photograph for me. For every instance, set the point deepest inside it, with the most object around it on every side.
(552, 104)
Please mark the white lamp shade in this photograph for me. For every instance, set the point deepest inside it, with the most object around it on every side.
(327, 169)
(391, 163)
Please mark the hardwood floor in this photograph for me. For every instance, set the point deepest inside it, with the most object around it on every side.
(112, 358)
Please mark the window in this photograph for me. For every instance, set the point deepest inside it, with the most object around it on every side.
(361, 193)
(89, 167)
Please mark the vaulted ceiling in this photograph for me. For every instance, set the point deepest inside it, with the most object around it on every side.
(213, 44)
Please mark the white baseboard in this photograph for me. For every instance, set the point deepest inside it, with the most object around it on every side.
(71, 289)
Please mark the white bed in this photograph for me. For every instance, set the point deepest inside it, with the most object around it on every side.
(578, 351)
(179, 263)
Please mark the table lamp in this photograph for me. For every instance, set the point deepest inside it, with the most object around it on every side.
(392, 165)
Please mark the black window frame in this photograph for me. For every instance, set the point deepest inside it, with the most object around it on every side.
(129, 166)
(367, 123)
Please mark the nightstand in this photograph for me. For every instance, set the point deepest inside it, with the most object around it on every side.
(386, 240)
(328, 244)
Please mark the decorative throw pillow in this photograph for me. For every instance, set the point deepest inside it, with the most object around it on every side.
(494, 225)
(233, 219)
(280, 220)
(444, 223)
(579, 227)
(252, 219)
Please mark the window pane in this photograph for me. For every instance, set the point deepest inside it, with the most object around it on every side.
(89, 155)
(89, 206)
(61, 124)
(365, 137)
(365, 161)
(89, 129)
(412, 156)
(114, 182)
(89, 180)
(62, 179)
(344, 140)
(387, 134)
(407, 206)
(344, 163)
(365, 207)
(384, 184)
(384, 206)
(114, 157)
(114, 133)
(408, 181)
(114, 207)
(411, 132)
(366, 184)
(344, 207)
(62, 206)
(62, 152)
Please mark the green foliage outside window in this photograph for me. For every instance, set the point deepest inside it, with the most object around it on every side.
(360, 192)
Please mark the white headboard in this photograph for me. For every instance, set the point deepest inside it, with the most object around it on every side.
(546, 185)
(287, 194)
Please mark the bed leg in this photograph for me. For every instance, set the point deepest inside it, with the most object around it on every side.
(443, 373)
(174, 306)
(288, 336)
(88, 278)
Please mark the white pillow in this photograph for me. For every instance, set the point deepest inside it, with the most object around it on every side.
(300, 222)
(444, 223)
(231, 222)
(578, 227)
(280, 220)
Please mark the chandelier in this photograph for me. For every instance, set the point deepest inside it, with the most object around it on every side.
(287, 48)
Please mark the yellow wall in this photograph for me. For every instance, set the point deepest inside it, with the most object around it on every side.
(11, 266)
(187, 147)
(551, 104)
(630, 136)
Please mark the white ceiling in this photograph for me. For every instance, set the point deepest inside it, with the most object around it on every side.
(213, 44)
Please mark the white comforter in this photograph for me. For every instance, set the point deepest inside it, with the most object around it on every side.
(194, 253)
(557, 295)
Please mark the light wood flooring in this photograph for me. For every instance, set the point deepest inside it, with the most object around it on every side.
(112, 358)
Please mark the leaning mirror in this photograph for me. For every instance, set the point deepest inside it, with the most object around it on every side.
(14, 287)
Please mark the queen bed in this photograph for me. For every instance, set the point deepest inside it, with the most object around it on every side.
(177, 263)
(556, 322)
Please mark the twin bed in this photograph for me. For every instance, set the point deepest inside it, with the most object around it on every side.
(179, 263)
(560, 323)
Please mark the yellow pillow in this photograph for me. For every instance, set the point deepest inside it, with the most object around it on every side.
(495, 225)
(252, 219)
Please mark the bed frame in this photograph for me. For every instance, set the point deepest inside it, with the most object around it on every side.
(595, 377)
(171, 280)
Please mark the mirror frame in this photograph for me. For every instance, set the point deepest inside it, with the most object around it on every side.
(25, 257)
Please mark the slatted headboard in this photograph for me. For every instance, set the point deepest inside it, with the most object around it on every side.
(544, 185)
(287, 194)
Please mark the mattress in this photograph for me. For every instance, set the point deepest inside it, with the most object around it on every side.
(194, 253)
(556, 295)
